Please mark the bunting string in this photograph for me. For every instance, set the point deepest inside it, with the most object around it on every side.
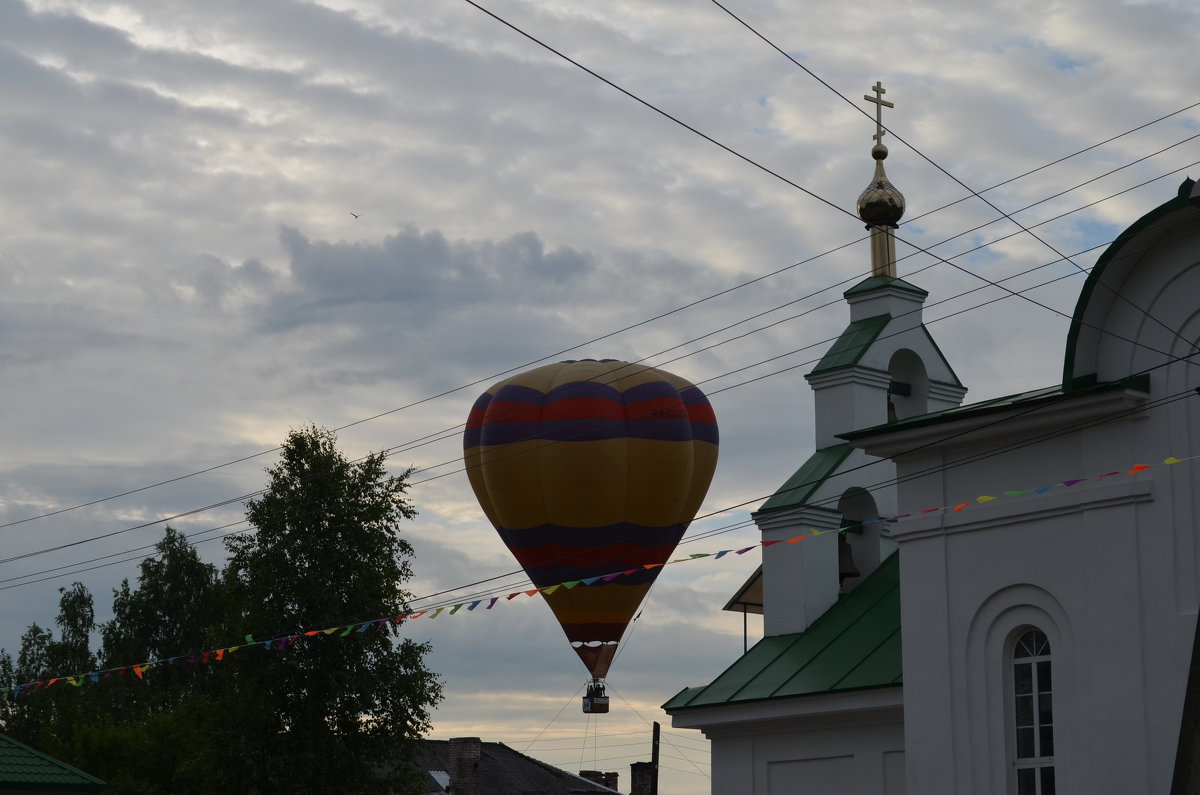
(284, 642)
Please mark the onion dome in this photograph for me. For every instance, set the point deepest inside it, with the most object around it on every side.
(881, 204)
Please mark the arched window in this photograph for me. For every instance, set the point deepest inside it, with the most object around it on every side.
(908, 393)
(1033, 713)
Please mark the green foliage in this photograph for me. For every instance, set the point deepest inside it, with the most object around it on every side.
(326, 552)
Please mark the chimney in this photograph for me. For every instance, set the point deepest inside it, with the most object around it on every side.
(464, 765)
(641, 778)
(603, 779)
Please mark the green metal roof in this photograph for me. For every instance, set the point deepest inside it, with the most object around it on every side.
(1023, 400)
(25, 769)
(854, 646)
(1182, 200)
(876, 282)
(800, 486)
(852, 344)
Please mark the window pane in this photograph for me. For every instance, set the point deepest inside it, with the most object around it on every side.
(1024, 710)
(1024, 743)
(1044, 677)
(1045, 709)
(1023, 678)
(1047, 736)
(1027, 781)
(1047, 781)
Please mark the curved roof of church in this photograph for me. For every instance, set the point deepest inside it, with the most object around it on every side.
(1187, 197)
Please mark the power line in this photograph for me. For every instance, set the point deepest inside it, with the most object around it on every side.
(989, 282)
(1061, 159)
(655, 318)
(958, 181)
(446, 474)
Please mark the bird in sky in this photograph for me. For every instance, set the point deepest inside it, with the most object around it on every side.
(354, 214)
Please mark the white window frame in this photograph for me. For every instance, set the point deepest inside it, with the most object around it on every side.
(1040, 695)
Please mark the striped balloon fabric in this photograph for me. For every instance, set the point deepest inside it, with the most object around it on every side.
(587, 469)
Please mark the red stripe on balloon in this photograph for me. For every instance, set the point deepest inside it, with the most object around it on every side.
(582, 408)
(509, 411)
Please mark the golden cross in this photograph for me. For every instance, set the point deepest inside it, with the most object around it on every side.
(880, 104)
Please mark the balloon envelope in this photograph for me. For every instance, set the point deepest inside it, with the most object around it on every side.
(590, 469)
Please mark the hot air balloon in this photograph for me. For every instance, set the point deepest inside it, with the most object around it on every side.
(591, 471)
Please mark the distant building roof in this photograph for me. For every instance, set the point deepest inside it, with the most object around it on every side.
(749, 598)
(24, 769)
(502, 771)
(854, 646)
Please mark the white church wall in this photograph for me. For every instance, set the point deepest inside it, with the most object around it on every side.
(800, 581)
(837, 744)
(1095, 565)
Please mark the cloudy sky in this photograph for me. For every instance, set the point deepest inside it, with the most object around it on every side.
(183, 278)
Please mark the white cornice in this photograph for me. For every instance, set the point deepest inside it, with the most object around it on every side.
(824, 710)
(1009, 424)
(1061, 501)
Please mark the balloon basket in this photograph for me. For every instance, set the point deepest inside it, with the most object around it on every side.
(596, 700)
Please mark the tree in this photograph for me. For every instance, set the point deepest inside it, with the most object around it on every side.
(326, 552)
(329, 714)
(52, 721)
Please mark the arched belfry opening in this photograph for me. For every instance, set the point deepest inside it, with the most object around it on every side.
(908, 391)
(858, 543)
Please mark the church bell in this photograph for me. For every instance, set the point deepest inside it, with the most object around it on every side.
(846, 567)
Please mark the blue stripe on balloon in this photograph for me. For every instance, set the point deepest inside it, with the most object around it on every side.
(589, 430)
(660, 430)
(584, 389)
(583, 430)
(705, 432)
(649, 391)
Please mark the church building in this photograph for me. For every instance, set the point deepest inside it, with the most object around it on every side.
(991, 598)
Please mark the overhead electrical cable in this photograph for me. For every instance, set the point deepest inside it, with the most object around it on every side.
(938, 166)
(1060, 160)
(1003, 449)
(647, 321)
(454, 430)
(667, 740)
(790, 182)
(776, 357)
(482, 380)
(456, 460)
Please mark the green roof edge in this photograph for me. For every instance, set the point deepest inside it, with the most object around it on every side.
(882, 578)
(852, 344)
(805, 480)
(879, 282)
(1181, 200)
(88, 782)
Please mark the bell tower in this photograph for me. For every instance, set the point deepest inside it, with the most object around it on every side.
(883, 368)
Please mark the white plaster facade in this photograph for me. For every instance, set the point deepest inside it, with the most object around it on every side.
(836, 744)
(1108, 568)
